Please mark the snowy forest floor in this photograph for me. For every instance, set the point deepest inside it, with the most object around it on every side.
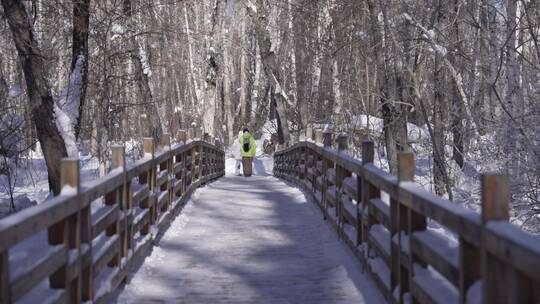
(249, 240)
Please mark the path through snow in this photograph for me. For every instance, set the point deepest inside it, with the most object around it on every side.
(249, 240)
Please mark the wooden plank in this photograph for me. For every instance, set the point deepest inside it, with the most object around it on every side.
(67, 231)
(102, 256)
(383, 180)
(495, 199)
(41, 269)
(162, 178)
(381, 211)
(92, 190)
(115, 199)
(380, 241)
(514, 246)
(141, 220)
(78, 263)
(140, 195)
(162, 199)
(5, 289)
(435, 251)
(138, 167)
(469, 267)
(33, 220)
(349, 187)
(463, 222)
(178, 167)
(104, 219)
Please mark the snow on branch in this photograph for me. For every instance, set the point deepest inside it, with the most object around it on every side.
(429, 35)
(251, 6)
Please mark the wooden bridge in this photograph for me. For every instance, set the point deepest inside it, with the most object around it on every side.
(257, 240)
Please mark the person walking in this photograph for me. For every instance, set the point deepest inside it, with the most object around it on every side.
(238, 158)
(247, 150)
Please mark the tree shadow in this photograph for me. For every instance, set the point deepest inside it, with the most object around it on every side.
(261, 242)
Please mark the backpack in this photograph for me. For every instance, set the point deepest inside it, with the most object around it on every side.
(246, 146)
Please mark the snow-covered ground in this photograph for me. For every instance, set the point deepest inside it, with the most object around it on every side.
(31, 183)
(250, 240)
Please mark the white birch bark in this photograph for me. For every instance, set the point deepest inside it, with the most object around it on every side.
(194, 87)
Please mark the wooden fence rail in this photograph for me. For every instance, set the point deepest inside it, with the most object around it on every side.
(81, 245)
(418, 247)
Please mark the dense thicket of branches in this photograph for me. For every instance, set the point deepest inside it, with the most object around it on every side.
(467, 72)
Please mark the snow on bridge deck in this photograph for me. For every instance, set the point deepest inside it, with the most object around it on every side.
(249, 240)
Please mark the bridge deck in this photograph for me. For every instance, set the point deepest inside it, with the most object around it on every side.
(252, 240)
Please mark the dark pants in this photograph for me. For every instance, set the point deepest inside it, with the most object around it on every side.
(247, 165)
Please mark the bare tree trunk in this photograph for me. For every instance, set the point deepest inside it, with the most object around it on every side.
(194, 87)
(271, 67)
(213, 69)
(513, 88)
(457, 111)
(81, 22)
(390, 111)
(142, 75)
(39, 95)
(440, 173)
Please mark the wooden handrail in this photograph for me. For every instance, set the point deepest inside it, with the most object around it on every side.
(479, 256)
(97, 230)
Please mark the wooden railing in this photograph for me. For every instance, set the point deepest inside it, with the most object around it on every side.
(81, 245)
(418, 247)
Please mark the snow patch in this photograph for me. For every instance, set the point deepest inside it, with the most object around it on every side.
(15, 91)
(67, 190)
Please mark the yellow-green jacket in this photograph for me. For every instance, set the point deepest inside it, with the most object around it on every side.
(244, 138)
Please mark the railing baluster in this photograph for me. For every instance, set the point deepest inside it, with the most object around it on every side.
(403, 221)
(5, 289)
(495, 198)
(148, 178)
(367, 157)
(68, 232)
(181, 136)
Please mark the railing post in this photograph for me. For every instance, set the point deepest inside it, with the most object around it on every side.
(149, 179)
(87, 273)
(342, 143)
(198, 133)
(200, 164)
(191, 134)
(309, 133)
(327, 139)
(181, 136)
(495, 198)
(5, 289)
(341, 174)
(68, 232)
(364, 190)
(403, 220)
(119, 161)
(116, 197)
(319, 138)
(165, 141)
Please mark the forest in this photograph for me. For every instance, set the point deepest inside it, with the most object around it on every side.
(456, 82)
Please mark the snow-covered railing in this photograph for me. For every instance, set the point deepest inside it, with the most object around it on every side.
(417, 246)
(81, 245)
